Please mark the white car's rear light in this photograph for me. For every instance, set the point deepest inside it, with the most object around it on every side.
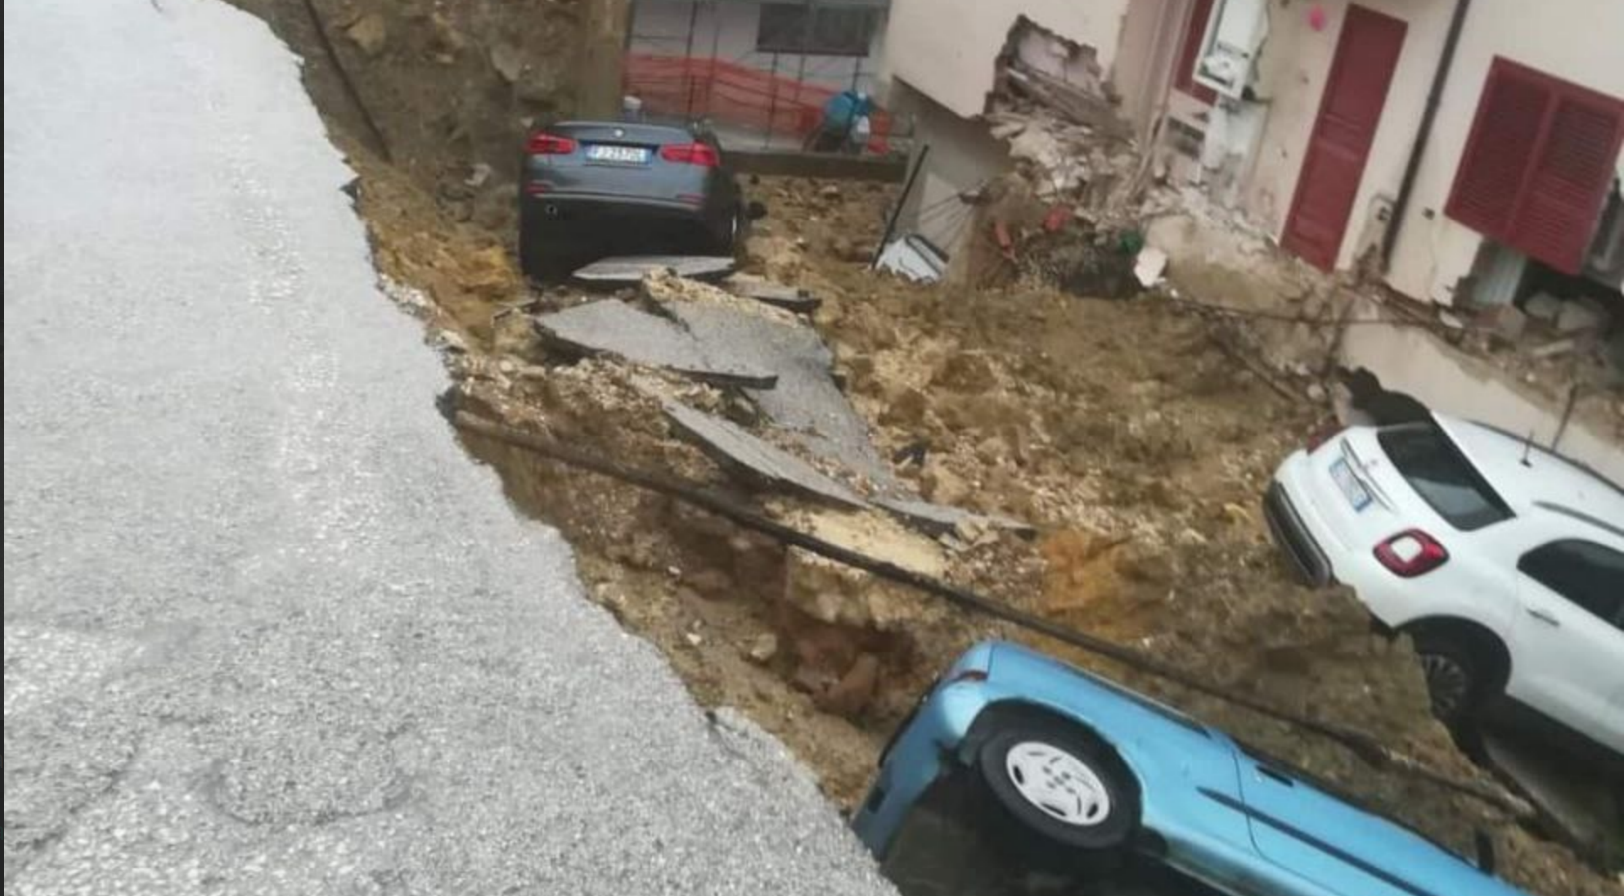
(1411, 553)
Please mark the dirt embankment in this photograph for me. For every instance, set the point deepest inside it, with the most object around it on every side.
(1118, 428)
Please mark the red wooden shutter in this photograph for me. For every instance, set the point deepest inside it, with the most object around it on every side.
(1538, 163)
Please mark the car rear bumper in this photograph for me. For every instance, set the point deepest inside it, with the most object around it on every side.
(1294, 539)
(607, 207)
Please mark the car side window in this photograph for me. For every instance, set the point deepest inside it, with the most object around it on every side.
(1584, 572)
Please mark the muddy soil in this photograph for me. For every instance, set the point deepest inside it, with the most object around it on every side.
(1120, 429)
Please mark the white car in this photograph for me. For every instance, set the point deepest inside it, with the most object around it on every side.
(1505, 563)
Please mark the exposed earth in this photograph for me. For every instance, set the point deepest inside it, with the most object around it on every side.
(1122, 430)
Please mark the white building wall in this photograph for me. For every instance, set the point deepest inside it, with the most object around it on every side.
(727, 30)
(946, 49)
(1578, 40)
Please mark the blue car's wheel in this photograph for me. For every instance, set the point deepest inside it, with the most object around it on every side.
(1060, 787)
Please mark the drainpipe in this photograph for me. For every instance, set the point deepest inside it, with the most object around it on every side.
(1429, 116)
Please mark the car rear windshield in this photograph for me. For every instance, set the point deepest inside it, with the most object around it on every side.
(1442, 476)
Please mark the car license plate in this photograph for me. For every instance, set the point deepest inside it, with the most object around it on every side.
(1355, 490)
(623, 155)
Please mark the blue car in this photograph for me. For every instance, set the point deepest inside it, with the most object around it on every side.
(1083, 769)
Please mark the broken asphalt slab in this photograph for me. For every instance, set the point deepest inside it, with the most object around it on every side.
(615, 328)
(732, 444)
(629, 270)
(789, 298)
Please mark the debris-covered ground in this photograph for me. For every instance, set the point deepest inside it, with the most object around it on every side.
(1120, 431)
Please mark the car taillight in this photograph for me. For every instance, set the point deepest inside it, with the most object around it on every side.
(1411, 553)
(700, 154)
(549, 145)
(1322, 435)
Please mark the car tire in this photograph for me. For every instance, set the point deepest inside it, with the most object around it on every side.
(1455, 677)
(1065, 798)
(537, 262)
(728, 243)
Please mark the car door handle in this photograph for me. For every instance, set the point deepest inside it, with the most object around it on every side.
(1545, 616)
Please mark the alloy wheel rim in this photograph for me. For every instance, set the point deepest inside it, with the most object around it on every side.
(1057, 783)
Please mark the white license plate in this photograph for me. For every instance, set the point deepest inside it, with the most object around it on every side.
(1352, 488)
(625, 155)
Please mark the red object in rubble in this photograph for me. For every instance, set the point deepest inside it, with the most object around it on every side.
(1056, 218)
(1000, 232)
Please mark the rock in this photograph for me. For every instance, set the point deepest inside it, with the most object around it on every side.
(831, 592)
(830, 192)
(1581, 315)
(478, 175)
(763, 648)
(694, 638)
(370, 33)
(1554, 349)
(1189, 538)
(508, 60)
(1316, 392)
(449, 341)
(1543, 306)
(1508, 321)
(853, 692)
(711, 583)
(943, 485)
(1237, 515)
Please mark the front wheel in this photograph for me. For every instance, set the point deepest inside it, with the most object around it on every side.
(1063, 794)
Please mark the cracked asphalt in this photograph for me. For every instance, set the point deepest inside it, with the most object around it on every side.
(267, 629)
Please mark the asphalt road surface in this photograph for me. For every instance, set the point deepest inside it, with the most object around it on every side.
(267, 629)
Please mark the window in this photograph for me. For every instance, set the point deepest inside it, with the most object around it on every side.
(1442, 476)
(1200, 14)
(833, 31)
(1584, 572)
(1538, 163)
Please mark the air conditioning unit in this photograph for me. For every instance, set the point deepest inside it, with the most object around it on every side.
(1229, 49)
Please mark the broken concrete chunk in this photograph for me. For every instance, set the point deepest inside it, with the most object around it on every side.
(370, 33)
(1507, 321)
(629, 270)
(508, 60)
(1581, 315)
(835, 593)
(615, 328)
(732, 444)
(1543, 306)
(1148, 267)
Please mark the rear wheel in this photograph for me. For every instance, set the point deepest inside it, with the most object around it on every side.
(1066, 799)
(1456, 676)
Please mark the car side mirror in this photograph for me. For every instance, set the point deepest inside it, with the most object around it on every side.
(756, 210)
(1485, 851)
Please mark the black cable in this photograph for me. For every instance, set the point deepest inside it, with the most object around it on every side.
(1362, 744)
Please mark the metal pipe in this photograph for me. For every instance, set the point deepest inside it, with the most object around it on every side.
(688, 58)
(1429, 116)
(896, 210)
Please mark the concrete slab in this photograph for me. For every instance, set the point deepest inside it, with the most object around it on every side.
(789, 298)
(804, 401)
(615, 328)
(940, 519)
(1572, 794)
(732, 444)
(629, 270)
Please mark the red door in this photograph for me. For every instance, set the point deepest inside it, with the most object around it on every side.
(1349, 111)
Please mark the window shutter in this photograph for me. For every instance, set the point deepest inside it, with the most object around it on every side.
(1498, 152)
(1569, 184)
(1537, 164)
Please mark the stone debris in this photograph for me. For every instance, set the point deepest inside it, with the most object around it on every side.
(615, 328)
